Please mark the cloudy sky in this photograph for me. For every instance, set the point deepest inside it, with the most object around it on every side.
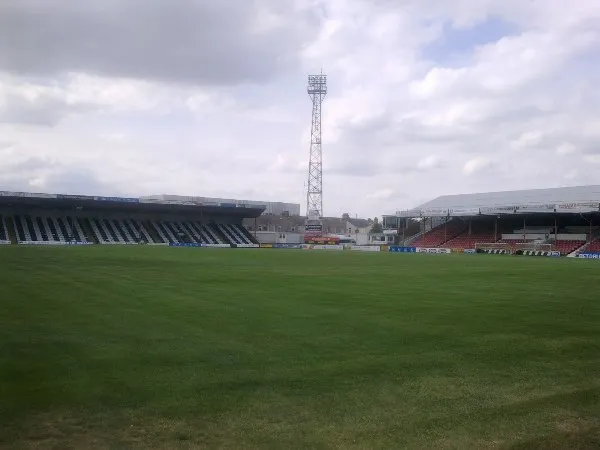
(207, 97)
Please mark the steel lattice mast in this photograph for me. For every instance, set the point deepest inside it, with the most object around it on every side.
(317, 89)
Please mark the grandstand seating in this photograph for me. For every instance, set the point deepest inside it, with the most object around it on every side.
(563, 246)
(3, 231)
(566, 247)
(441, 234)
(458, 237)
(594, 246)
(106, 230)
(466, 240)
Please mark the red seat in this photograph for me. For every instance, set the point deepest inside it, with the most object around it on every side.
(440, 235)
(467, 240)
(594, 246)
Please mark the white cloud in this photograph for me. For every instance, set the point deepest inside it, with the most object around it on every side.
(571, 175)
(526, 140)
(565, 148)
(515, 111)
(476, 164)
(381, 194)
(429, 162)
(592, 159)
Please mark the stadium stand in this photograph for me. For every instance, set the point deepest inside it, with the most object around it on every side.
(54, 219)
(441, 234)
(3, 231)
(561, 219)
(481, 233)
(130, 231)
(594, 246)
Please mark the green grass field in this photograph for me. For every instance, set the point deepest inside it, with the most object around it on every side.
(149, 347)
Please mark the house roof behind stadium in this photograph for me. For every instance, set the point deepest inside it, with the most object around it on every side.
(579, 199)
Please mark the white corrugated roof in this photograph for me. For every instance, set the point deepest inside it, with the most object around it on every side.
(510, 198)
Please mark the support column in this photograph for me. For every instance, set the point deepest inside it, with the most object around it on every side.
(496, 229)
(404, 230)
(446, 231)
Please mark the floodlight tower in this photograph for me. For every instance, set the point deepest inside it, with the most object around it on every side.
(317, 90)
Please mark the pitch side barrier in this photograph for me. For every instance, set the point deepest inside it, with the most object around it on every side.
(323, 247)
(358, 248)
(472, 251)
(399, 249)
(290, 246)
(436, 251)
(589, 255)
(499, 251)
(194, 245)
(51, 243)
(366, 248)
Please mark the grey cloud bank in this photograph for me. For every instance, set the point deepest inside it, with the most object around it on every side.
(195, 42)
(208, 98)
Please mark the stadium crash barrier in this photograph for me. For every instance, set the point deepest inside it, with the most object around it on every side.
(589, 255)
(470, 251)
(400, 249)
(366, 248)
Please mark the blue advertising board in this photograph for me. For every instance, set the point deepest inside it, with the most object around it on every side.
(589, 255)
(399, 249)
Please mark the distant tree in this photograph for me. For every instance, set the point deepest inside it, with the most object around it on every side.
(345, 216)
(376, 228)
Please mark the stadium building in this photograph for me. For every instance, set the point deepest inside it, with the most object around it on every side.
(54, 219)
(565, 220)
(269, 208)
(284, 229)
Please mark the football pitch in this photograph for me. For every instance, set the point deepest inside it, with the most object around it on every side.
(153, 347)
